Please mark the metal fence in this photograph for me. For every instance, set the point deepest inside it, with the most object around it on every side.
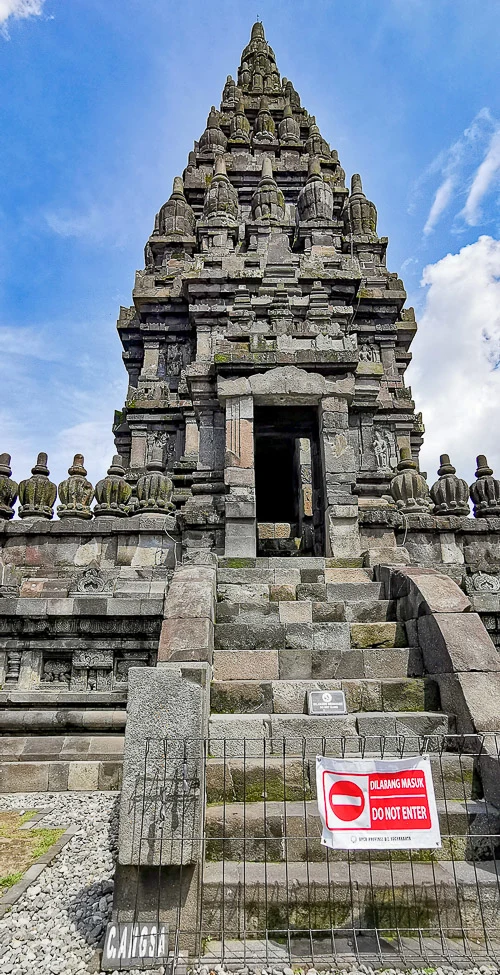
(227, 833)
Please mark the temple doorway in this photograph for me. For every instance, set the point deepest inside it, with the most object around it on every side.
(288, 481)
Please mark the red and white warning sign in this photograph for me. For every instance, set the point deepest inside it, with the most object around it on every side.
(377, 804)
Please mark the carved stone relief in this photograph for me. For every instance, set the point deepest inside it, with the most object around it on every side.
(384, 448)
(369, 353)
(482, 582)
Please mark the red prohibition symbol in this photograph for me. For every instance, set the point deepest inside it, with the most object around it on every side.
(347, 800)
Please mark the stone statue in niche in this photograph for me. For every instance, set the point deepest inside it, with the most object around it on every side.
(369, 353)
(383, 448)
(175, 359)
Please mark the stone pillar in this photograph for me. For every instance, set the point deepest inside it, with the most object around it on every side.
(192, 439)
(239, 476)
(339, 466)
(151, 358)
(138, 449)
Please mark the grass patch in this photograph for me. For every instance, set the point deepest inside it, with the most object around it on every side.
(20, 848)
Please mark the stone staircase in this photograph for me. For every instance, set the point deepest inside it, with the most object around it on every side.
(285, 627)
(53, 741)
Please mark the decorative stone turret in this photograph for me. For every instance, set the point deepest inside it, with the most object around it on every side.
(213, 138)
(408, 487)
(268, 203)
(316, 145)
(75, 493)
(289, 128)
(264, 129)
(112, 492)
(8, 489)
(154, 489)
(451, 493)
(485, 491)
(221, 197)
(239, 127)
(292, 95)
(258, 71)
(362, 215)
(37, 494)
(231, 93)
(176, 218)
(315, 200)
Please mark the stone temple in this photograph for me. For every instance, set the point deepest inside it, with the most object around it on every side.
(263, 531)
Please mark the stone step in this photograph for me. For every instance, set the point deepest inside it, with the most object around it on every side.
(370, 635)
(298, 660)
(37, 721)
(61, 776)
(62, 748)
(290, 696)
(367, 611)
(262, 734)
(274, 831)
(235, 779)
(358, 895)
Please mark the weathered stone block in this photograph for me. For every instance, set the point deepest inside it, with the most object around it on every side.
(236, 636)
(362, 695)
(456, 642)
(83, 776)
(331, 636)
(163, 770)
(293, 611)
(282, 593)
(381, 663)
(328, 612)
(188, 639)
(366, 635)
(295, 664)
(245, 664)
(312, 591)
(298, 636)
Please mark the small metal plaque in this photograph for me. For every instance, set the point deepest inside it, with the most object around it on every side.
(130, 944)
(326, 702)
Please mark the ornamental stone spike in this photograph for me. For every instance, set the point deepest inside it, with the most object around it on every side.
(362, 214)
(408, 487)
(8, 489)
(221, 197)
(485, 491)
(176, 216)
(450, 493)
(37, 494)
(213, 138)
(154, 489)
(75, 493)
(239, 126)
(112, 492)
(268, 202)
(315, 201)
(289, 128)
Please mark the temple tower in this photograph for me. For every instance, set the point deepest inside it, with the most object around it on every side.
(267, 344)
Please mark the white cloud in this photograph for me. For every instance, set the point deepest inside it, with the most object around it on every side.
(19, 9)
(466, 168)
(456, 373)
(483, 180)
(91, 224)
(27, 342)
(441, 200)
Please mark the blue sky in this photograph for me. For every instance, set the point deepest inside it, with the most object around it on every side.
(101, 101)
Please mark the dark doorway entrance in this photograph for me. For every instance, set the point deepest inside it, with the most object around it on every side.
(288, 482)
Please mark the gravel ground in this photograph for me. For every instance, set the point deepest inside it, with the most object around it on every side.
(58, 924)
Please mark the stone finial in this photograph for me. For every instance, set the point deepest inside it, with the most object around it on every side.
(268, 202)
(485, 491)
(8, 489)
(154, 489)
(176, 216)
(221, 197)
(213, 138)
(362, 215)
(289, 128)
(450, 493)
(230, 94)
(408, 487)
(315, 200)
(316, 145)
(239, 126)
(112, 492)
(292, 95)
(37, 494)
(258, 31)
(264, 128)
(75, 493)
